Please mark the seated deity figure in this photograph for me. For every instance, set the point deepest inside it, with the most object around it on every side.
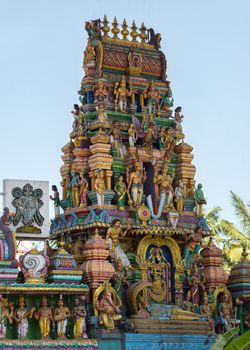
(21, 315)
(109, 309)
(113, 234)
(44, 316)
(61, 316)
(135, 184)
(79, 316)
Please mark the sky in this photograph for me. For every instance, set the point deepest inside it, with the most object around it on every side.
(207, 47)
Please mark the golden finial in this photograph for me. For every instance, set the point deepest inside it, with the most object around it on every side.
(115, 30)
(134, 33)
(105, 27)
(143, 34)
(124, 30)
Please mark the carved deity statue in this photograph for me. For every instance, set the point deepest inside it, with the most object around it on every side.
(164, 181)
(180, 194)
(120, 190)
(44, 316)
(108, 306)
(79, 316)
(167, 100)
(113, 234)
(132, 135)
(84, 187)
(100, 91)
(89, 54)
(61, 316)
(192, 247)
(152, 97)
(121, 93)
(206, 310)
(225, 313)
(120, 278)
(199, 199)
(21, 315)
(99, 187)
(135, 184)
(75, 187)
(55, 198)
(6, 315)
(187, 303)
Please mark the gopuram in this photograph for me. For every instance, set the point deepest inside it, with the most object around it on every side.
(135, 265)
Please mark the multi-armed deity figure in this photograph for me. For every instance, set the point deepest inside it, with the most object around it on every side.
(108, 307)
(153, 96)
(121, 93)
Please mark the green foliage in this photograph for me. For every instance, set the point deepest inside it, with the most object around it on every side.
(223, 339)
(241, 343)
(226, 235)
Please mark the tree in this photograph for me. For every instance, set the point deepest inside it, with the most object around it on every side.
(226, 234)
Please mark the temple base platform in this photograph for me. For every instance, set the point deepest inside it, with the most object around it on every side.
(141, 341)
(82, 344)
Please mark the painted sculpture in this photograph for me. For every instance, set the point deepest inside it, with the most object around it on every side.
(129, 229)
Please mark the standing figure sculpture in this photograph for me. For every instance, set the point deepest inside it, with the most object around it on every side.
(199, 199)
(132, 135)
(75, 185)
(135, 184)
(153, 98)
(21, 315)
(121, 93)
(179, 196)
(206, 311)
(84, 187)
(167, 100)
(61, 316)
(44, 315)
(79, 316)
(120, 189)
(164, 181)
(225, 313)
(99, 187)
(9, 236)
(113, 234)
(6, 315)
(55, 198)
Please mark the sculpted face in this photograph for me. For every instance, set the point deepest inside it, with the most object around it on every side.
(60, 302)
(77, 302)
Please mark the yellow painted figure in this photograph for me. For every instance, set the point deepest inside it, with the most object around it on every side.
(44, 315)
(79, 315)
(109, 311)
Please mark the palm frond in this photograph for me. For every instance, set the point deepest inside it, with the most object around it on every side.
(231, 232)
(241, 212)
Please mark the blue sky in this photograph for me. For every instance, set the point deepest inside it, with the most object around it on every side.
(207, 47)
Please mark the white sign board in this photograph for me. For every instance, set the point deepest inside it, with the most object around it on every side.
(29, 201)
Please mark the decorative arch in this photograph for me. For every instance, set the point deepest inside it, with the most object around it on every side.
(160, 242)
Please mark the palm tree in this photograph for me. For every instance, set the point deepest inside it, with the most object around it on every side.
(226, 235)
